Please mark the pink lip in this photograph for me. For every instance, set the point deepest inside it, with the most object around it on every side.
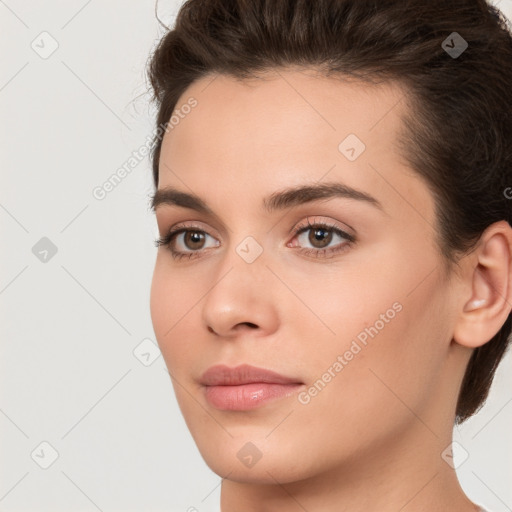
(222, 375)
(245, 387)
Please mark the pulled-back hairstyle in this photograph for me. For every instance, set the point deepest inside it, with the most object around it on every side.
(457, 131)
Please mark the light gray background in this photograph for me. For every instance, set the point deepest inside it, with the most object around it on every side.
(70, 325)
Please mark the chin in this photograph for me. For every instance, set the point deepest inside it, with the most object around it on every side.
(264, 471)
(253, 459)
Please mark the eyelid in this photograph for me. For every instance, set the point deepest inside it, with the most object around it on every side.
(191, 225)
(317, 220)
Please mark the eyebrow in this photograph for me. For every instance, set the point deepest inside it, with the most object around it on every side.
(280, 200)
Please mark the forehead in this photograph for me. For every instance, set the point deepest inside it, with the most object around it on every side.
(281, 106)
(290, 126)
(283, 115)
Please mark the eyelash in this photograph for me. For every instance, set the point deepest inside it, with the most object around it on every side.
(168, 238)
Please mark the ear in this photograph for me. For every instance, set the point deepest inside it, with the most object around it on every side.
(489, 273)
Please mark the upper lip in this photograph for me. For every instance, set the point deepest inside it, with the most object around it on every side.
(222, 375)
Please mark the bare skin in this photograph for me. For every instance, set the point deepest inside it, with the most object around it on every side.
(371, 439)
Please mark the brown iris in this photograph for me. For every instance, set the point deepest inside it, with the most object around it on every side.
(192, 238)
(318, 235)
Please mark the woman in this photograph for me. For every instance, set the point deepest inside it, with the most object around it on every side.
(332, 290)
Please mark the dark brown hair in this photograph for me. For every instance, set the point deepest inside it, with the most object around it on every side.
(458, 130)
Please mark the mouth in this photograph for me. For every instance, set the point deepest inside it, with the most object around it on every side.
(245, 387)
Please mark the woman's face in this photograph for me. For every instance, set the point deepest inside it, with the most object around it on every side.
(361, 322)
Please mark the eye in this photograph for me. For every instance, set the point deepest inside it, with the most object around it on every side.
(320, 236)
(189, 239)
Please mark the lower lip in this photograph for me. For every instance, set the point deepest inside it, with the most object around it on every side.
(247, 396)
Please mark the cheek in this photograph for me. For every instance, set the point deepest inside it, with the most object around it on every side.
(388, 335)
(167, 305)
(160, 301)
(175, 306)
(377, 382)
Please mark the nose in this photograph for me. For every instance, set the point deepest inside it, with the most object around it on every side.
(241, 301)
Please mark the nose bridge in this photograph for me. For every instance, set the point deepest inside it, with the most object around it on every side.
(249, 249)
(239, 292)
(244, 264)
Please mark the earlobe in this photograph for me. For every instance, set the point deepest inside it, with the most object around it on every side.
(490, 274)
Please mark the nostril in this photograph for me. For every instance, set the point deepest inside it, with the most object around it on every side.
(250, 324)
